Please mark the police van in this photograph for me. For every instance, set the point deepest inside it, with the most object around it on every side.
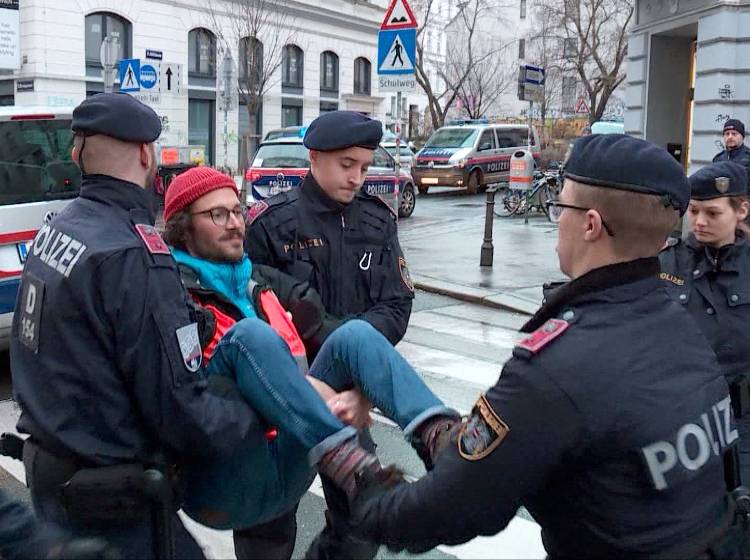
(470, 154)
(282, 161)
(37, 179)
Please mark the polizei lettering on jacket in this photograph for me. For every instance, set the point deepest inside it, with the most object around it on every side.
(691, 446)
(57, 250)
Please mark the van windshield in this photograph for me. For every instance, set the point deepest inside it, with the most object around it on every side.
(452, 138)
(282, 155)
(35, 161)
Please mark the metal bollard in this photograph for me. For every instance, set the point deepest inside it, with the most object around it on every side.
(488, 249)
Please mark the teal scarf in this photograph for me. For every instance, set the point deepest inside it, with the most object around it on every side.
(229, 279)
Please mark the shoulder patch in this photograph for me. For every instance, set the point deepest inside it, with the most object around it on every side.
(482, 432)
(384, 203)
(256, 210)
(545, 334)
(405, 276)
(151, 238)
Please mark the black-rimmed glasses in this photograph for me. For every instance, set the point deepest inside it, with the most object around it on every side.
(555, 210)
(220, 215)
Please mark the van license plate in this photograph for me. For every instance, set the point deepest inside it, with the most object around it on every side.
(429, 181)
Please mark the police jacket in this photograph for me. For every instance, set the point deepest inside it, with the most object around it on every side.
(348, 253)
(105, 352)
(714, 286)
(739, 155)
(615, 450)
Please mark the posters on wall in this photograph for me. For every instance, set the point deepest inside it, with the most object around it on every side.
(10, 55)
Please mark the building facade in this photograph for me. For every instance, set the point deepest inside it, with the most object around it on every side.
(327, 56)
(688, 72)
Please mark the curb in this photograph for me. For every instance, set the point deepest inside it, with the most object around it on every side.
(488, 300)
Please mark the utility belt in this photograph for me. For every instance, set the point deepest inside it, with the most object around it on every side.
(735, 542)
(122, 493)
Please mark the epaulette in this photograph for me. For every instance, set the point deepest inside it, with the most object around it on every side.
(151, 239)
(380, 200)
(540, 338)
(671, 242)
(260, 207)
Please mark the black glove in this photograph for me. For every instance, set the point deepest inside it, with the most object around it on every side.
(370, 485)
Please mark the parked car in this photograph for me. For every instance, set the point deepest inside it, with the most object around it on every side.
(281, 164)
(471, 155)
(407, 154)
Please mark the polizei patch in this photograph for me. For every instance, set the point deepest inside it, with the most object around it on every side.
(190, 346)
(153, 241)
(405, 276)
(482, 433)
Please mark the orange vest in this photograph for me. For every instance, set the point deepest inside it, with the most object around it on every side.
(276, 316)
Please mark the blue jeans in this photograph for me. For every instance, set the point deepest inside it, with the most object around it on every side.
(263, 479)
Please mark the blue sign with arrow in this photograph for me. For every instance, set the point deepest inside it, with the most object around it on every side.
(397, 50)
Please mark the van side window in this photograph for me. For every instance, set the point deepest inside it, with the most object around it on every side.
(487, 140)
(382, 158)
(506, 139)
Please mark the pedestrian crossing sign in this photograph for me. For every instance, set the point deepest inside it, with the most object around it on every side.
(397, 49)
(130, 75)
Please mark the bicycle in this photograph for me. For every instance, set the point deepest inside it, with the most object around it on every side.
(546, 186)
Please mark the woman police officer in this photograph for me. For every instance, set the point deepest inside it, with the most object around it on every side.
(709, 273)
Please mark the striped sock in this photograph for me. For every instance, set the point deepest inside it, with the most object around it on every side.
(341, 463)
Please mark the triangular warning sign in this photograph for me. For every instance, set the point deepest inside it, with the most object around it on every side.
(399, 16)
(581, 107)
(130, 78)
(396, 58)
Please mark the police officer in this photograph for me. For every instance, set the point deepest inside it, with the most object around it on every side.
(344, 242)
(610, 421)
(709, 274)
(734, 143)
(105, 354)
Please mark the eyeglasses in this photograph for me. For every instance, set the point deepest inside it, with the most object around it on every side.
(555, 210)
(220, 215)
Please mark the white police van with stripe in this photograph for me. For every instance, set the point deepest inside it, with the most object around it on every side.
(37, 179)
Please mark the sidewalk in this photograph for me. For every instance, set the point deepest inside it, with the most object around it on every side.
(445, 260)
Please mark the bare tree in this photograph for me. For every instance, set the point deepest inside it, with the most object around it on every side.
(261, 29)
(591, 38)
(486, 82)
(459, 57)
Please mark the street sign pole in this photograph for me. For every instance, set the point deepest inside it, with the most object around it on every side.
(108, 57)
(398, 138)
(531, 122)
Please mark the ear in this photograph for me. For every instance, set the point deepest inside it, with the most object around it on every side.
(743, 211)
(146, 154)
(594, 227)
(75, 155)
(314, 156)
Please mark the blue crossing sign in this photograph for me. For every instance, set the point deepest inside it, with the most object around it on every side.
(397, 50)
(130, 75)
(149, 76)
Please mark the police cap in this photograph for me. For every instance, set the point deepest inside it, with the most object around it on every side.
(117, 115)
(724, 178)
(618, 161)
(338, 130)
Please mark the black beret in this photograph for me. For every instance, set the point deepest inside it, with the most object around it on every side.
(338, 130)
(724, 178)
(735, 124)
(117, 115)
(618, 161)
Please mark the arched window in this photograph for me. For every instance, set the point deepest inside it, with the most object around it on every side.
(251, 62)
(202, 53)
(329, 74)
(98, 26)
(292, 65)
(362, 72)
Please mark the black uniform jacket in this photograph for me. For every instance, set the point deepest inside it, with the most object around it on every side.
(348, 253)
(714, 286)
(608, 424)
(104, 351)
(739, 155)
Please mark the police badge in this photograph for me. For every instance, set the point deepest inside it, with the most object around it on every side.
(482, 432)
(722, 184)
(190, 346)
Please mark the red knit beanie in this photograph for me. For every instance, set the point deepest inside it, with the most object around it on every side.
(192, 184)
